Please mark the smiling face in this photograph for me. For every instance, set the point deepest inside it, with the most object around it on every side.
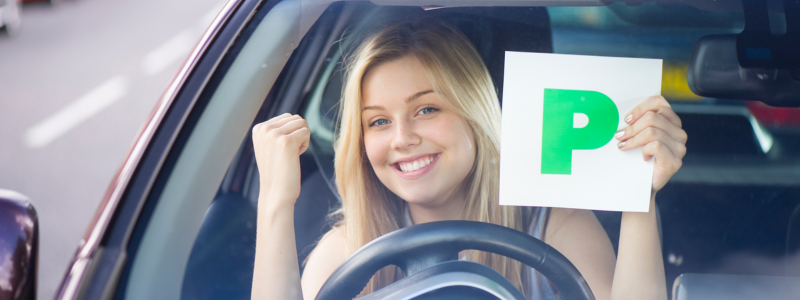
(419, 149)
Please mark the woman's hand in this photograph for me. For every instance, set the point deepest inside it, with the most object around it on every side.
(278, 144)
(639, 271)
(655, 127)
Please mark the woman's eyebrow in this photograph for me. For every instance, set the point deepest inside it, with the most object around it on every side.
(409, 99)
(417, 95)
(375, 107)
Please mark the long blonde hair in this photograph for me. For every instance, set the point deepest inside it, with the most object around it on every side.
(458, 75)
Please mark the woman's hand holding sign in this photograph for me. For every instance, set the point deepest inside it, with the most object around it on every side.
(654, 126)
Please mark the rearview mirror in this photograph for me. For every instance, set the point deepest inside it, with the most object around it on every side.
(19, 246)
(714, 71)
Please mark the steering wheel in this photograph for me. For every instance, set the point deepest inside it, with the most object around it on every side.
(427, 254)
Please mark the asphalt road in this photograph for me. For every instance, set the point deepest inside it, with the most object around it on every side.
(76, 85)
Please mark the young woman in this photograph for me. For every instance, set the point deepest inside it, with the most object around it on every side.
(419, 142)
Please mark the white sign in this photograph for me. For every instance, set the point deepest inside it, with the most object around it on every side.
(560, 113)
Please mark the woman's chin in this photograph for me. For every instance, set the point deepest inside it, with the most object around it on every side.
(418, 201)
(423, 198)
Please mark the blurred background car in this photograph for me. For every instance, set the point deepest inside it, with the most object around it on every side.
(51, 2)
(10, 16)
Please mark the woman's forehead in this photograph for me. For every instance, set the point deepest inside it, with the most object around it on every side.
(396, 82)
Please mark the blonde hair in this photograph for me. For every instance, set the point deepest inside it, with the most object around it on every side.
(458, 75)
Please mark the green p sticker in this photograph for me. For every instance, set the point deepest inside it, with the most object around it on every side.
(559, 137)
(560, 113)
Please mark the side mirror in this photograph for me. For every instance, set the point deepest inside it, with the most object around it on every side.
(19, 246)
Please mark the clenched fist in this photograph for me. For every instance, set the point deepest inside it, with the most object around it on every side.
(278, 144)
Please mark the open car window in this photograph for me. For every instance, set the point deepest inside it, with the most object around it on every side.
(729, 218)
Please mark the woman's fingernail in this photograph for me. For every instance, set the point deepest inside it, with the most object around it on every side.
(620, 145)
(619, 134)
(629, 118)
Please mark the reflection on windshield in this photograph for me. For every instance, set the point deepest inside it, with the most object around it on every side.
(732, 209)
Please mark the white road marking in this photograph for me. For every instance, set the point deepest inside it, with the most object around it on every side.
(179, 46)
(76, 112)
(173, 50)
(113, 89)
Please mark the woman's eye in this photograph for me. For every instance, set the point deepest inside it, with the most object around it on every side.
(379, 122)
(427, 110)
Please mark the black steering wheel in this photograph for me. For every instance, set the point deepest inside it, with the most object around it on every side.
(427, 253)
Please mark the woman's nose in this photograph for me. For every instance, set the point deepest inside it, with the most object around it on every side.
(405, 136)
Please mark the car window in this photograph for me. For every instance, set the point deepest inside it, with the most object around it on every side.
(734, 206)
(237, 92)
(730, 215)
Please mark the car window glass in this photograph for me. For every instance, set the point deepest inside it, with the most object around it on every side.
(733, 209)
(158, 267)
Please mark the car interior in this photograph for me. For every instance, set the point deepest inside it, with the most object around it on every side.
(729, 218)
(319, 109)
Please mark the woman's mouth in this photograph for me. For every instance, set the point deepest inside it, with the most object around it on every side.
(416, 167)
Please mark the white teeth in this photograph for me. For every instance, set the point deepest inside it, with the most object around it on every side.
(415, 165)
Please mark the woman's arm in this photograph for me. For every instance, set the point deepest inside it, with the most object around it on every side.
(640, 266)
(326, 257)
(639, 269)
(656, 128)
(579, 236)
(276, 274)
(276, 254)
(278, 144)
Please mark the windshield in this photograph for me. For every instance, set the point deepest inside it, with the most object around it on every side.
(728, 221)
(733, 207)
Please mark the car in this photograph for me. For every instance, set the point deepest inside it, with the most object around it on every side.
(50, 2)
(10, 16)
(179, 219)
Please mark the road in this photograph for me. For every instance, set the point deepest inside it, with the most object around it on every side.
(76, 85)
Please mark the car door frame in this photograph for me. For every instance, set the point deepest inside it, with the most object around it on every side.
(102, 254)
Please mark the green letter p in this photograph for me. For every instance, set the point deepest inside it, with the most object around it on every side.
(559, 137)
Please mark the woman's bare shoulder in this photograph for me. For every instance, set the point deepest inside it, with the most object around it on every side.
(565, 222)
(323, 260)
